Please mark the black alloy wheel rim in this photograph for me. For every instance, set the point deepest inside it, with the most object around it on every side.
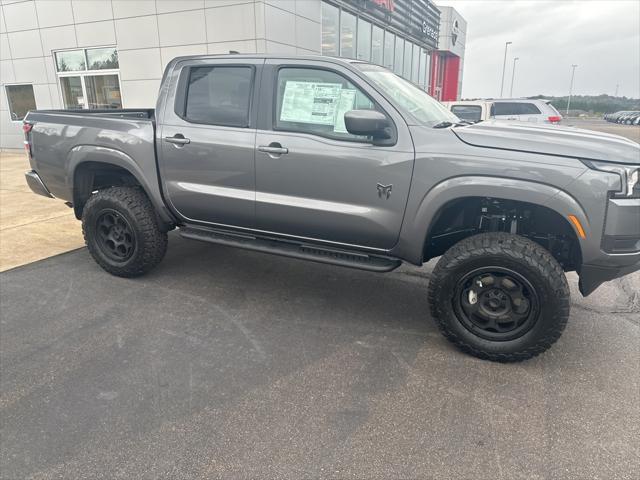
(115, 236)
(496, 303)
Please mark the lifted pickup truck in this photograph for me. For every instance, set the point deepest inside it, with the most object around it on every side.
(343, 162)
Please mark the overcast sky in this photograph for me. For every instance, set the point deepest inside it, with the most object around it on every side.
(602, 37)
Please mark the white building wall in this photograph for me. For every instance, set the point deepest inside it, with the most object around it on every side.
(146, 33)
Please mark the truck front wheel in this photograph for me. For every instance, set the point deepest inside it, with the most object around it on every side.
(121, 231)
(500, 297)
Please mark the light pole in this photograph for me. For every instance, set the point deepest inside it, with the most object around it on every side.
(513, 74)
(504, 65)
(617, 85)
(573, 72)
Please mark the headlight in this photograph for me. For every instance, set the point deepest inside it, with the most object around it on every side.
(629, 176)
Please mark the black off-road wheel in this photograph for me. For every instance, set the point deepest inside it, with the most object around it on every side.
(500, 297)
(121, 231)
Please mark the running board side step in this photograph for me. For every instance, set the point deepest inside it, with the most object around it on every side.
(288, 248)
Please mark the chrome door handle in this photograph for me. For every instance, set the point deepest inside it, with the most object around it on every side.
(273, 150)
(177, 140)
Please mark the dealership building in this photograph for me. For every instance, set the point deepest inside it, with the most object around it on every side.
(111, 53)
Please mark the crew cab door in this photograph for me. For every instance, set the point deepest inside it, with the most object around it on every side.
(206, 144)
(313, 179)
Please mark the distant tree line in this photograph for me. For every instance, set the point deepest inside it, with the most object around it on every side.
(593, 104)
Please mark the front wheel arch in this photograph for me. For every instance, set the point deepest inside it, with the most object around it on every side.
(467, 216)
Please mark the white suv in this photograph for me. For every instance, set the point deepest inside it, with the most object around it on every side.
(522, 110)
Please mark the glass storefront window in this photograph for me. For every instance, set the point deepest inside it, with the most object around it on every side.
(89, 59)
(347, 35)
(71, 61)
(330, 26)
(102, 58)
(103, 91)
(424, 70)
(415, 69)
(88, 88)
(364, 40)
(406, 71)
(21, 99)
(389, 45)
(72, 93)
(376, 45)
(397, 64)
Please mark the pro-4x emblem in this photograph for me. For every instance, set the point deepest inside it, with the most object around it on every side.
(384, 190)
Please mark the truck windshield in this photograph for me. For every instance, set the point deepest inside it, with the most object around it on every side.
(408, 97)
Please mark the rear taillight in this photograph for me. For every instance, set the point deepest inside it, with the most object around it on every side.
(26, 128)
(554, 119)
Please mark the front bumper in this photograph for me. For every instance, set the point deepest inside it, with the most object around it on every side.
(36, 185)
(620, 246)
(592, 276)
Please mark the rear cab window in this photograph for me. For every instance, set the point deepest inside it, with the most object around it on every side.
(314, 101)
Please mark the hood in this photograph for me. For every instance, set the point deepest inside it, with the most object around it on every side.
(551, 140)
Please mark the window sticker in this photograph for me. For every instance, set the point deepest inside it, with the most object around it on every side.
(345, 103)
(310, 102)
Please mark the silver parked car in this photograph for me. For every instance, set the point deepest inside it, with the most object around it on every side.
(515, 110)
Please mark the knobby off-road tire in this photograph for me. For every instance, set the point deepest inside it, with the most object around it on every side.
(121, 231)
(506, 275)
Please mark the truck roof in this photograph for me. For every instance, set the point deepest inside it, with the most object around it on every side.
(268, 56)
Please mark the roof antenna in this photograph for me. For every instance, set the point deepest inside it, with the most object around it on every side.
(234, 52)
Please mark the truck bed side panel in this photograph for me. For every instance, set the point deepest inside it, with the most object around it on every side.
(60, 141)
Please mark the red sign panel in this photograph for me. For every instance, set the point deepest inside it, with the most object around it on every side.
(388, 4)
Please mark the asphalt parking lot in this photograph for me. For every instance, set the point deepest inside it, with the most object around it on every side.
(228, 363)
(632, 132)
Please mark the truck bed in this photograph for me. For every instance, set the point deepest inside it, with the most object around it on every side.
(60, 140)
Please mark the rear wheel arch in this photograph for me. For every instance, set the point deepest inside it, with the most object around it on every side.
(89, 176)
(93, 168)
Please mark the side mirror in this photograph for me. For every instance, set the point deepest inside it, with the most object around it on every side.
(370, 123)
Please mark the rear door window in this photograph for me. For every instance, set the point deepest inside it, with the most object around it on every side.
(507, 108)
(219, 95)
(529, 109)
(472, 113)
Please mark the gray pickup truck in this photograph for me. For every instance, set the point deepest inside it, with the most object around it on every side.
(343, 162)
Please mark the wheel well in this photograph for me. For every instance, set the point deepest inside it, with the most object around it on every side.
(91, 176)
(468, 216)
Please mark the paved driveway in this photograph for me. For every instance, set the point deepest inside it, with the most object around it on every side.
(235, 364)
(32, 227)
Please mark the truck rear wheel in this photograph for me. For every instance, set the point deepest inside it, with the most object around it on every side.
(121, 231)
(500, 297)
